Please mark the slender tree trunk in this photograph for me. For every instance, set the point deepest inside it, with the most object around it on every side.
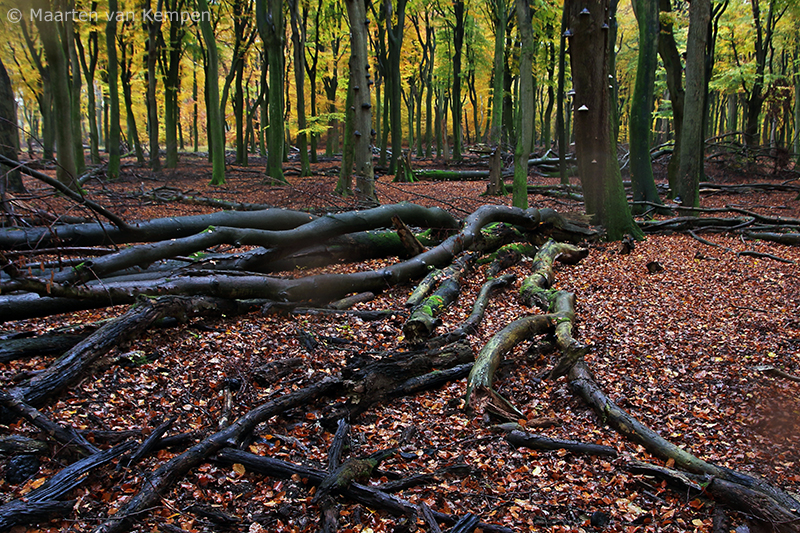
(153, 28)
(112, 135)
(522, 151)
(58, 68)
(344, 187)
(10, 179)
(595, 145)
(75, 92)
(311, 70)
(668, 50)
(89, 66)
(362, 114)
(299, 54)
(269, 17)
(561, 128)
(496, 136)
(797, 102)
(641, 111)
(172, 82)
(548, 111)
(459, 11)
(217, 129)
(762, 46)
(395, 26)
(691, 155)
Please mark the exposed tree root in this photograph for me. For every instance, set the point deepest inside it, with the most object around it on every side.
(761, 499)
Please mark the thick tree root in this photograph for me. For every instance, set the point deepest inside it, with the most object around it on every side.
(470, 325)
(763, 497)
(534, 289)
(487, 361)
(736, 496)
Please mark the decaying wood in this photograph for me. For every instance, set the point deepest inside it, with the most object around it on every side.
(423, 479)
(572, 351)
(410, 242)
(72, 365)
(19, 445)
(583, 384)
(369, 381)
(42, 502)
(161, 479)
(522, 439)
(735, 495)
(423, 320)
(66, 435)
(270, 373)
(46, 344)
(470, 325)
(151, 442)
(533, 291)
(368, 496)
(487, 361)
(350, 301)
(506, 257)
(431, 380)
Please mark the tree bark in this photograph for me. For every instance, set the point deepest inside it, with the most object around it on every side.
(217, 127)
(526, 107)
(11, 179)
(595, 143)
(270, 21)
(361, 103)
(423, 321)
(691, 155)
(641, 119)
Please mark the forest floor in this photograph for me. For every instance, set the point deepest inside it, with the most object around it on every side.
(678, 349)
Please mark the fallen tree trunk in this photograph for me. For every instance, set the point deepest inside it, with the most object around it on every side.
(317, 289)
(790, 239)
(280, 242)
(147, 231)
(46, 344)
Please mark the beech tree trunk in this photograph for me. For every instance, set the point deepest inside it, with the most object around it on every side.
(691, 155)
(361, 103)
(595, 143)
(641, 119)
